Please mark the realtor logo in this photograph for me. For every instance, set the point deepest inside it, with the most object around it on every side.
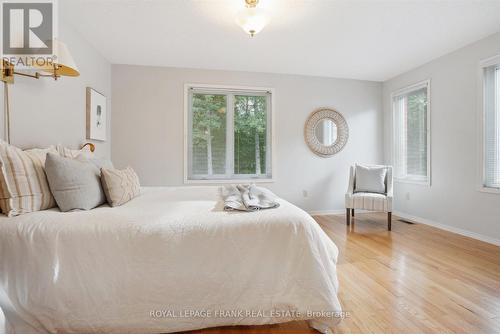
(28, 28)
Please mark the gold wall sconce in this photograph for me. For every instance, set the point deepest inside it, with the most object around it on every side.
(6, 72)
(62, 64)
(90, 145)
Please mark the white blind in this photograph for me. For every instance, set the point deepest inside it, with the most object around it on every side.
(411, 147)
(229, 134)
(492, 127)
(208, 134)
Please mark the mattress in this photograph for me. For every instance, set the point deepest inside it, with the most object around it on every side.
(170, 260)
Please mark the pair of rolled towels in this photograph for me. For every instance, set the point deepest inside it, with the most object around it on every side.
(248, 198)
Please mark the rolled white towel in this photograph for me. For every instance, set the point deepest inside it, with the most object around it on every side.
(248, 198)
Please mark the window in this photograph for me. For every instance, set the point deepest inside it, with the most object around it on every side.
(491, 126)
(411, 109)
(228, 134)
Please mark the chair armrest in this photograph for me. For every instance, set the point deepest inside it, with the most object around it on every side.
(390, 182)
(390, 189)
(350, 188)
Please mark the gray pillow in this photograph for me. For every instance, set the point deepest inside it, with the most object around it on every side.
(99, 162)
(74, 184)
(370, 179)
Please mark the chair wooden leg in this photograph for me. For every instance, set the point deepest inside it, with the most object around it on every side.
(389, 220)
(352, 212)
(348, 217)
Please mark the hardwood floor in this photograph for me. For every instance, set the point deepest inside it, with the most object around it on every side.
(415, 279)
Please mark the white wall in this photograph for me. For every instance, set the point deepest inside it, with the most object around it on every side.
(453, 199)
(147, 127)
(46, 112)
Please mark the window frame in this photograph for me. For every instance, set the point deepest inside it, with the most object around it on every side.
(405, 90)
(244, 90)
(481, 115)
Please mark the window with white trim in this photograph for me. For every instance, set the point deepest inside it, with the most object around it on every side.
(411, 121)
(491, 126)
(228, 134)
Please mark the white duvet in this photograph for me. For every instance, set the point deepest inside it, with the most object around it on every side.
(170, 260)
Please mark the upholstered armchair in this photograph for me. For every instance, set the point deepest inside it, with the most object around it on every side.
(358, 198)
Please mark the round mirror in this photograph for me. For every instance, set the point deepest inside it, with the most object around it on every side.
(326, 132)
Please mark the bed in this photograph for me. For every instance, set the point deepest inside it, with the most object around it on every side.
(170, 260)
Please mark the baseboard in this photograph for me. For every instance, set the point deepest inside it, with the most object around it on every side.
(465, 233)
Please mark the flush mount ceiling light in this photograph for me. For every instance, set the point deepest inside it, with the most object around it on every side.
(251, 19)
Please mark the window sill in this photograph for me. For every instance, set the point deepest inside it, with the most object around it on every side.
(231, 181)
(416, 182)
(488, 190)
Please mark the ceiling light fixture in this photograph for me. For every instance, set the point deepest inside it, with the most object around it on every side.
(251, 19)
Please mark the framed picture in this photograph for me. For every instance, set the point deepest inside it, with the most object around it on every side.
(96, 115)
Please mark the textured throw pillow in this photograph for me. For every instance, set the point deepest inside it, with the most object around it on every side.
(120, 186)
(370, 179)
(75, 184)
(23, 184)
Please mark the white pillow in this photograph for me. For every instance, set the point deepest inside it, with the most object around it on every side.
(370, 179)
(70, 153)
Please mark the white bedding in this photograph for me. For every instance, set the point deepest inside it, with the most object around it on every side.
(146, 266)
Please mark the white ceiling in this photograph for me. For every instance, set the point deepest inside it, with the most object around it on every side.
(359, 39)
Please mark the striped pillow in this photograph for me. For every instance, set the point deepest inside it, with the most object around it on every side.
(23, 183)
